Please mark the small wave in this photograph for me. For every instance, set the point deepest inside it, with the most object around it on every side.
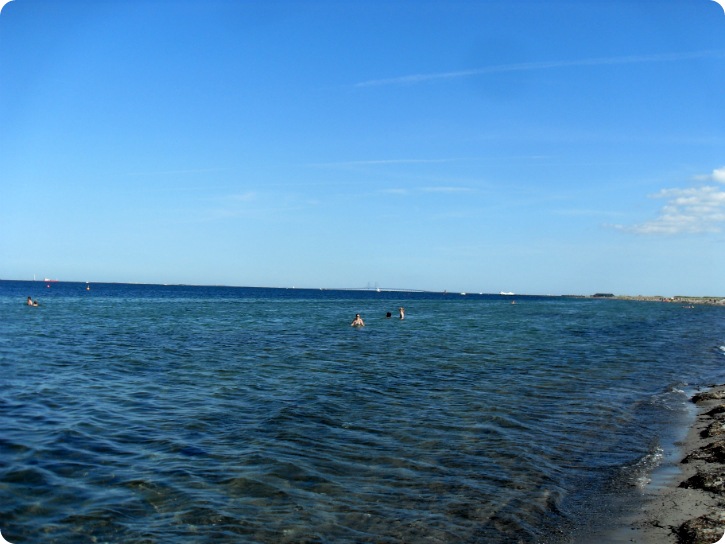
(673, 398)
(639, 473)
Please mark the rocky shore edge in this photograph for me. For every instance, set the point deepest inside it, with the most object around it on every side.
(691, 509)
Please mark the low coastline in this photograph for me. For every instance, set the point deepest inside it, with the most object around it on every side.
(690, 507)
(713, 301)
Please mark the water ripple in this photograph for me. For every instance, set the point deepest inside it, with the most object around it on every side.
(147, 415)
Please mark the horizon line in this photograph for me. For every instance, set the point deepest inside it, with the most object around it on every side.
(373, 289)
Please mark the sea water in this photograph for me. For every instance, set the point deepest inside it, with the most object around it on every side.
(174, 414)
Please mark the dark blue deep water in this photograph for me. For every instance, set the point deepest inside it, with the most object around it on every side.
(179, 415)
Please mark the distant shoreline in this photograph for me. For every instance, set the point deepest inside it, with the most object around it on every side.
(714, 301)
(682, 299)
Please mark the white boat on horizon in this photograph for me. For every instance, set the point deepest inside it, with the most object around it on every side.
(505, 293)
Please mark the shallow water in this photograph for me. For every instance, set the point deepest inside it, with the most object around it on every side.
(162, 414)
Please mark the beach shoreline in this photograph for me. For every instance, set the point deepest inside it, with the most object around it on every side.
(689, 508)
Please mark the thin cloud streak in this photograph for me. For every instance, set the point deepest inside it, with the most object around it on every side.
(241, 197)
(395, 191)
(443, 189)
(177, 172)
(376, 162)
(528, 66)
(585, 212)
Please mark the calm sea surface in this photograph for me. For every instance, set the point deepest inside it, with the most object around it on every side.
(169, 414)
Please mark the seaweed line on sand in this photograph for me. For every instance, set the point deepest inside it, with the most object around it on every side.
(692, 509)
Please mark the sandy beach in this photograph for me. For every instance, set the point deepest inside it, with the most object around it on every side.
(690, 507)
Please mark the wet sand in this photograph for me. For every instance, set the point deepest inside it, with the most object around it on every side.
(690, 508)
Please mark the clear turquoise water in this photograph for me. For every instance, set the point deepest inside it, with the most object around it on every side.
(154, 414)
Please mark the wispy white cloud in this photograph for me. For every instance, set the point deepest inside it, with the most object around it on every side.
(240, 197)
(381, 162)
(258, 206)
(693, 210)
(413, 79)
(443, 189)
(176, 172)
(398, 191)
(719, 175)
(228, 206)
(585, 212)
(395, 191)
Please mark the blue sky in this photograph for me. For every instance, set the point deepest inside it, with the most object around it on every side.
(548, 147)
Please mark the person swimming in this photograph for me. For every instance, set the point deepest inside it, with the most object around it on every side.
(402, 313)
(357, 322)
